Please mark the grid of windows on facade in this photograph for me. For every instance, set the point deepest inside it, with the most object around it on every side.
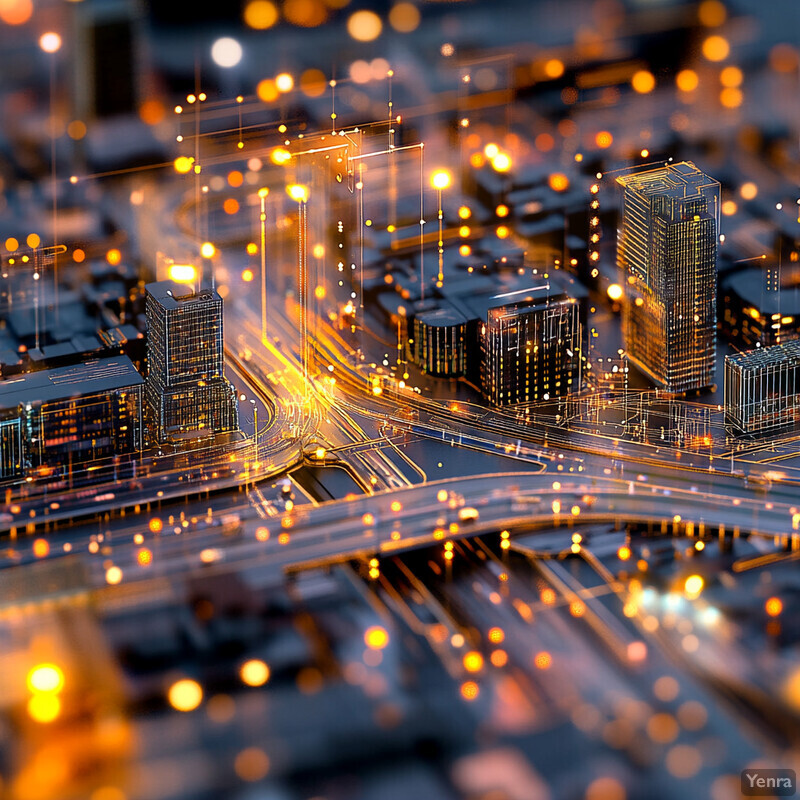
(668, 247)
(85, 413)
(187, 392)
(440, 342)
(531, 351)
(762, 388)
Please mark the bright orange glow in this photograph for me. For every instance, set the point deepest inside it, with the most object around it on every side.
(280, 156)
(12, 244)
(298, 192)
(473, 661)
(364, 26)
(267, 91)
(731, 77)
(501, 162)
(368, 519)
(155, 525)
(313, 83)
(113, 256)
(729, 208)
(45, 679)
(748, 191)
(731, 98)
(260, 14)
(440, 179)
(548, 597)
(235, 178)
(144, 557)
(624, 553)
(78, 256)
(16, 12)
(207, 250)
(247, 275)
(643, 81)
(284, 82)
(41, 548)
(716, 48)
(469, 690)
(464, 212)
(396, 506)
(543, 660)
(502, 232)
(773, 606)
(182, 273)
(183, 164)
(686, 80)
(254, 672)
(499, 658)
(404, 17)
(712, 13)
(252, 248)
(501, 211)
(603, 139)
(33, 240)
(554, 68)
(558, 182)
(185, 695)
(615, 291)
(376, 637)
(496, 635)
(693, 585)
(465, 250)
(113, 576)
(44, 708)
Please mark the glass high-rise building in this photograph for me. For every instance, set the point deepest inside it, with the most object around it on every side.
(188, 395)
(667, 246)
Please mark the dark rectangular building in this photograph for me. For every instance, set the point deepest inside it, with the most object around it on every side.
(73, 414)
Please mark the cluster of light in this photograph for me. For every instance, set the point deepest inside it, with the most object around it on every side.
(501, 162)
(298, 192)
(374, 569)
(45, 682)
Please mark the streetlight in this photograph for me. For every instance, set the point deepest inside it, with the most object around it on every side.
(262, 194)
(299, 192)
(255, 428)
(440, 180)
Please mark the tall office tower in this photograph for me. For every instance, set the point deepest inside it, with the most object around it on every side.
(667, 245)
(188, 395)
(531, 348)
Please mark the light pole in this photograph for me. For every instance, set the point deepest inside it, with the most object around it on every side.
(299, 193)
(262, 194)
(255, 430)
(440, 180)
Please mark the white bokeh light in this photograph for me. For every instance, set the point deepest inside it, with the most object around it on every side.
(226, 52)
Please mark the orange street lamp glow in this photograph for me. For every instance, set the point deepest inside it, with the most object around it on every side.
(298, 192)
(440, 179)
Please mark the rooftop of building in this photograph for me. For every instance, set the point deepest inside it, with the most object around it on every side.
(751, 287)
(681, 179)
(90, 377)
(767, 356)
(171, 295)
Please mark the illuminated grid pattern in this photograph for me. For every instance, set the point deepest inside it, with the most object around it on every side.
(668, 247)
(762, 388)
(440, 342)
(187, 392)
(531, 351)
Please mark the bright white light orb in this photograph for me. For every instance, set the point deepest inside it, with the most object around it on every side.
(50, 42)
(226, 52)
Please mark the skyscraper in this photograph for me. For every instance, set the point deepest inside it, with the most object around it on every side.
(667, 246)
(188, 395)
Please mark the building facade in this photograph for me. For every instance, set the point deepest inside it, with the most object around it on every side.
(188, 395)
(531, 349)
(440, 342)
(76, 414)
(762, 388)
(667, 247)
